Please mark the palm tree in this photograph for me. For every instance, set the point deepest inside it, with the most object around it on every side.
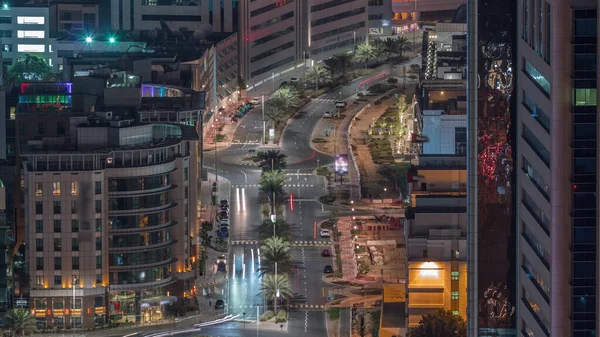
(272, 181)
(274, 284)
(275, 250)
(275, 110)
(391, 46)
(344, 61)
(402, 45)
(272, 160)
(21, 321)
(331, 65)
(288, 95)
(366, 53)
(282, 229)
(318, 75)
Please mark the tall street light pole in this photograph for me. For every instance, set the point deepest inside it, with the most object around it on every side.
(262, 104)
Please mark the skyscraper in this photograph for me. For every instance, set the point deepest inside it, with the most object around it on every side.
(557, 161)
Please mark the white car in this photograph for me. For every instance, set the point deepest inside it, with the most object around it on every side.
(256, 101)
(327, 114)
(294, 80)
(224, 222)
(325, 233)
(340, 104)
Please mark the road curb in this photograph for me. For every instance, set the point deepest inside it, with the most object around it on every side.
(208, 284)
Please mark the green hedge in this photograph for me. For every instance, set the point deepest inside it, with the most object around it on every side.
(282, 316)
(267, 315)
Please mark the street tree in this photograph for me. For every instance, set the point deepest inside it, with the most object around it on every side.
(21, 321)
(282, 229)
(272, 181)
(360, 325)
(288, 95)
(28, 67)
(390, 46)
(272, 160)
(275, 110)
(272, 285)
(275, 250)
(318, 75)
(366, 53)
(343, 61)
(402, 45)
(440, 323)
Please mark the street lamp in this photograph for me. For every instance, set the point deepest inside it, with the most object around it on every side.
(89, 39)
(383, 200)
(74, 283)
(112, 40)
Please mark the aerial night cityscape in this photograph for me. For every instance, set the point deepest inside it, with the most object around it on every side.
(319, 168)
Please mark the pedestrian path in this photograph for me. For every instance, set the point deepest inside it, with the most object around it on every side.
(324, 100)
(286, 185)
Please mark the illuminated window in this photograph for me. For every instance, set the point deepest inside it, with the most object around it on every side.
(31, 34)
(455, 313)
(39, 190)
(454, 295)
(39, 280)
(73, 188)
(536, 77)
(31, 48)
(50, 62)
(30, 20)
(13, 113)
(584, 97)
(454, 276)
(56, 188)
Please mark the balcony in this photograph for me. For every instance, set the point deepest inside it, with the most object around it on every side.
(143, 210)
(144, 266)
(142, 192)
(135, 286)
(142, 248)
(141, 230)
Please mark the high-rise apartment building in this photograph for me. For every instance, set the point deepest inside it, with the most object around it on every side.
(109, 205)
(146, 15)
(277, 37)
(557, 164)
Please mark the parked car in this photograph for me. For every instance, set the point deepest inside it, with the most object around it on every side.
(224, 202)
(326, 252)
(256, 101)
(219, 304)
(294, 80)
(327, 114)
(224, 214)
(328, 269)
(224, 232)
(222, 267)
(224, 222)
(221, 259)
(325, 233)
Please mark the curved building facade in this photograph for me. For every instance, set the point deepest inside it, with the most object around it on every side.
(113, 221)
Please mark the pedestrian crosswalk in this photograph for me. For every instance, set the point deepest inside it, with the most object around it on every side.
(318, 243)
(243, 242)
(286, 185)
(323, 100)
(248, 163)
(292, 306)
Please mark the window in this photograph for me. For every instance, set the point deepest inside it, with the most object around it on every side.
(57, 245)
(75, 244)
(30, 20)
(98, 207)
(536, 278)
(537, 246)
(57, 226)
(536, 112)
(39, 264)
(339, 16)
(272, 21)
(31, 34)
(338, 31)
(541, 217)
(77, 303)
(39, 280)
(39, 226)
(585, 27)
(185, 173)
(263, 55)
(272, 37)
(74, 225)
(536, 77)
(98, 262)
(56, 207)
(273, 66)
(57, 280)
(536, 179)
(536, 145)
(5, 19)
(39, 245)
(584, 97)
(99, 243)
(97, 187)
(454, 295)
(99, 281)
(7, 47)
(73, 207)
(56, 188)
(73, 188)
(39, 189)
(454, 276)
(75, 262)
(179, 18)
(39, 207)
(41, 128)
(57, 263)
(270, 7)
(98, 225)
(455, 313)
(460, 140)
(5, 33)
(31, 48)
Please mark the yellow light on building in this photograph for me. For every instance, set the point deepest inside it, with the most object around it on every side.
(429, 269)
